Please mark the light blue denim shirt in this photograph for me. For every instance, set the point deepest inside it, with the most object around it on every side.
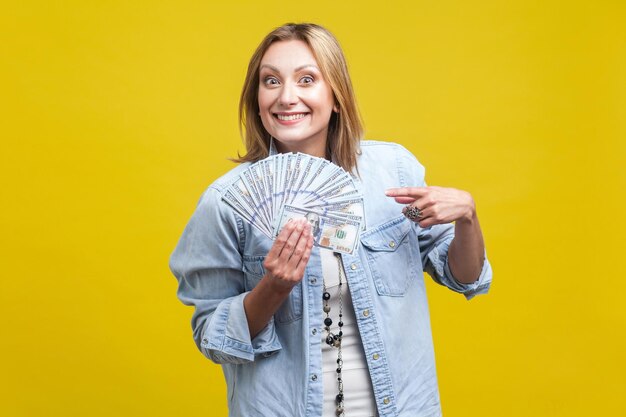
(219, 259)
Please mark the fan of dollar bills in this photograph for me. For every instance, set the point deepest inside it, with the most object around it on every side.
(283, 187)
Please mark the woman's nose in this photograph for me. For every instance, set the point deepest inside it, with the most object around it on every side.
(288, 95)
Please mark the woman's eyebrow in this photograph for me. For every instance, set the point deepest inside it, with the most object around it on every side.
(270, 67)
(301, 67)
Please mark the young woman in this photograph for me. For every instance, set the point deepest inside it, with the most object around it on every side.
(264, 309)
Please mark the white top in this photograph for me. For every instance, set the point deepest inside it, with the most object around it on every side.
(357, 385)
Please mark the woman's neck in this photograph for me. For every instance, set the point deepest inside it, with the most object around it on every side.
(318, 150)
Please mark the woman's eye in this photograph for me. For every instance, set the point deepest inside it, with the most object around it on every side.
(270, 81)
(307, 79)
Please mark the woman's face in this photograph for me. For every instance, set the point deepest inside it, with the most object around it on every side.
(295, 102)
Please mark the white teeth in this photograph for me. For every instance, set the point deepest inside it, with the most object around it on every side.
(290, 116)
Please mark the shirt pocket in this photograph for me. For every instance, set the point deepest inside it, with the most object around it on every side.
(392, 254)
(291, 309)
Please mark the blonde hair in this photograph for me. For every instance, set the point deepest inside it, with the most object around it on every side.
(345, 128)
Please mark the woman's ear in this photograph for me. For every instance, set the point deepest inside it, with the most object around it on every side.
(336, 108)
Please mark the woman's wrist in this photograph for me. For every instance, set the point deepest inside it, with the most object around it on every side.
(469, 216)
(277, 286)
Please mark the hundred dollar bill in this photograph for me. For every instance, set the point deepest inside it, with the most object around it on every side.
(268, 175)
(322, 183)
(341, 208)
(319, 171)
(350, 205)
(290, 188)
(252, 217)
(339, 189)
(336, 234)
(253, 187)
(305, 173)
(260, 182)
(278, 184)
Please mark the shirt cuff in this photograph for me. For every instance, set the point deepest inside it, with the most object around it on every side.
(480, 286)
(226, 338)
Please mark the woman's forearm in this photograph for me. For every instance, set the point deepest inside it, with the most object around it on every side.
(261, 304)
(466, 254)
(284, 266)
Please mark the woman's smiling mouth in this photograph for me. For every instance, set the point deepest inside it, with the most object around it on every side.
(289, 117)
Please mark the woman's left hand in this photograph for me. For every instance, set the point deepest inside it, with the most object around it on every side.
(436, 205)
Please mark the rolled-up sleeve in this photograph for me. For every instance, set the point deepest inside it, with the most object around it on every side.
(208, 265)
(434, 244)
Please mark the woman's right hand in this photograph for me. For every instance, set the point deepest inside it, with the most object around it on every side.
(284, 266)
(287, 259)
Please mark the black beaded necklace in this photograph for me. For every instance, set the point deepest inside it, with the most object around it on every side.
(334, 340)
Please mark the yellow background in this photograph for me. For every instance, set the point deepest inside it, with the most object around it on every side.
(116, 115)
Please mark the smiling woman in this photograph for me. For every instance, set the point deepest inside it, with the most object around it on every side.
(320, 54)
(295, 102)
(296, 332)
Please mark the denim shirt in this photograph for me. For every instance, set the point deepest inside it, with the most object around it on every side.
(219, 259)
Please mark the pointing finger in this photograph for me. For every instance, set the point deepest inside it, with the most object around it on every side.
(413, 192)
(404, 200)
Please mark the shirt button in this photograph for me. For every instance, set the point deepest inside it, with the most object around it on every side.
(353, 267)
(386, 400)
(376, 356)
(392, 244)
(366, 313)
(313, 377)
(314, 331)
(313, 280)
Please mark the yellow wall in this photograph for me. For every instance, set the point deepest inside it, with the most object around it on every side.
(116, 115)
